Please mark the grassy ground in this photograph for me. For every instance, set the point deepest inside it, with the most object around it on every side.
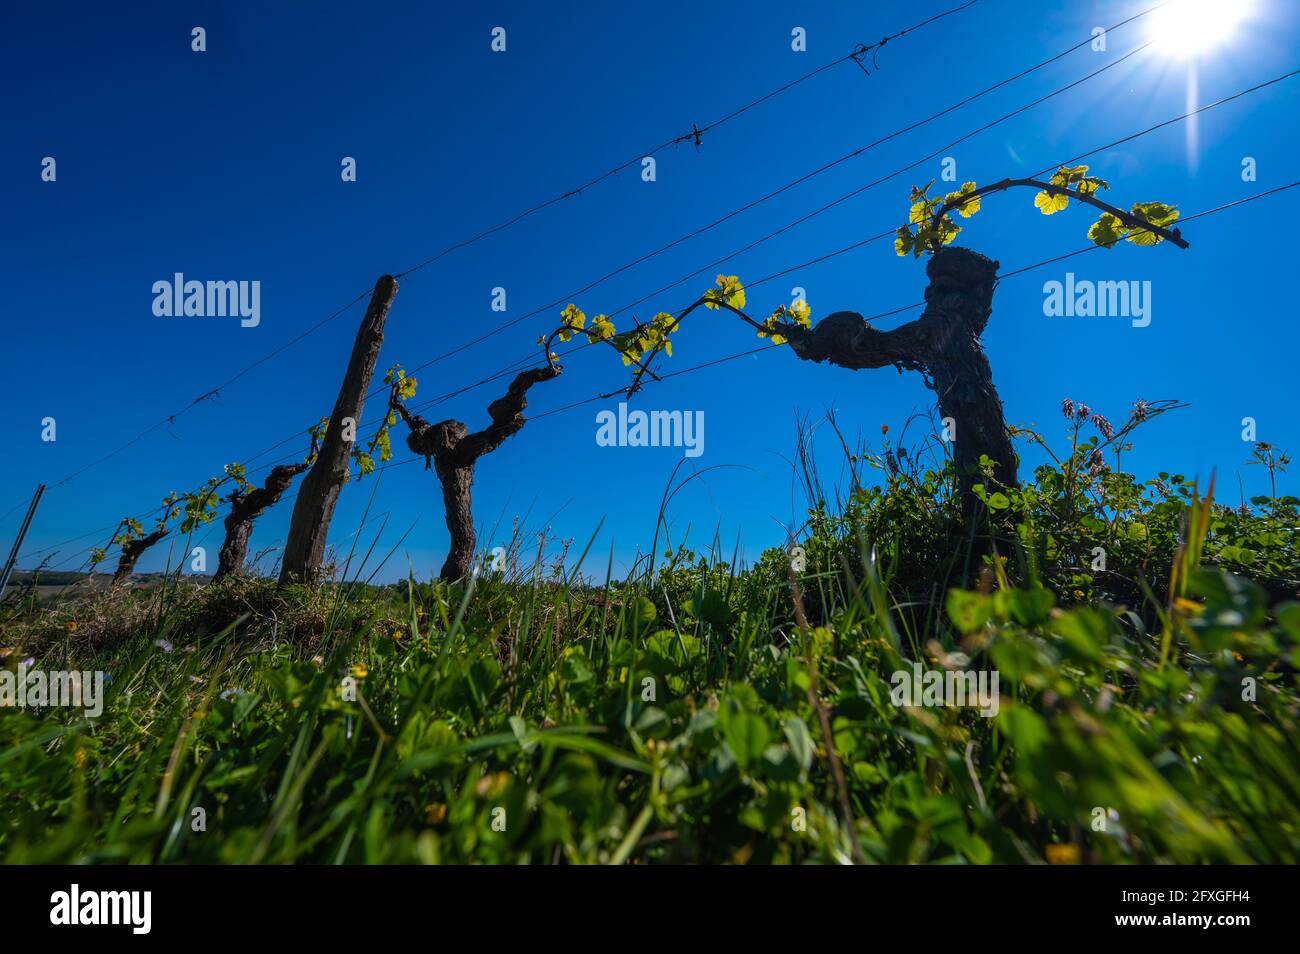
(698, 712)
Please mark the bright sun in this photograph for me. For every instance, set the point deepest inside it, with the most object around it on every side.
(1189, 27)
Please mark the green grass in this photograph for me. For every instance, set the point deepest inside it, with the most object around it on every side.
(703, 712)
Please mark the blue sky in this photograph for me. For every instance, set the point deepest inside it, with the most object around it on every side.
(226, 165)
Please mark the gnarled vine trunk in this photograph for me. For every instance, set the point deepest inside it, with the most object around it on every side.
(943, 345)
(131, 551)
(247, 507)
(454, 452)
(457, 481)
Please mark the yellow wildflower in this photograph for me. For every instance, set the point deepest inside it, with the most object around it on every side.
(1063, 854)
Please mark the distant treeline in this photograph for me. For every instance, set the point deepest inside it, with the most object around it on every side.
(48, 577)
(68, 577)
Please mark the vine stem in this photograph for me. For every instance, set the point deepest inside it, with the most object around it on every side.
(1128, 218)
(550, 360)
(643, 366)
(789, 331)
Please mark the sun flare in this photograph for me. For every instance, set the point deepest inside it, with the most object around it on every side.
(1187, 28)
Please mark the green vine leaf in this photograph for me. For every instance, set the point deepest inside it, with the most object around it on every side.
(1050, 204)
(365, 463)
(967, 207)
(572, 319)
(1106, 231)
(237, 472)
(729, 290)
(1109, 229)
(931, 228)
(1159, 214)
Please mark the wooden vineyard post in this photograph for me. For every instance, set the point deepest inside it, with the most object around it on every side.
(314, 507)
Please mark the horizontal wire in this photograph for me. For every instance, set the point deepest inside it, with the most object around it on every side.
(694, 134)
(690, 235)
(767, 347)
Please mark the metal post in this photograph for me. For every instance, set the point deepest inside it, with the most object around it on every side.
(22, 535)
